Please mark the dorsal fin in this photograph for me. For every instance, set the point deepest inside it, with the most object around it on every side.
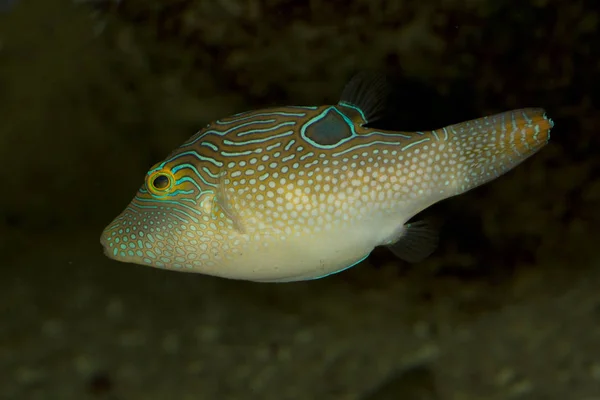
(368, 91)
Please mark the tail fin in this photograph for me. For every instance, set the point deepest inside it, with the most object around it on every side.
(491, 146)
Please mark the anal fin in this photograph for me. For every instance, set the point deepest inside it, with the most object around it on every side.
(415, 242)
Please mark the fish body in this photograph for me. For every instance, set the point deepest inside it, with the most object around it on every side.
(296, 193)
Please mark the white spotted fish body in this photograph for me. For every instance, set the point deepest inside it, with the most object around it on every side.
(297, 193)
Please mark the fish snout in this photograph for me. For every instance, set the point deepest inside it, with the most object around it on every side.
(105, 246)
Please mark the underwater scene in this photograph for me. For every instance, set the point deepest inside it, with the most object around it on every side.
(312, 200)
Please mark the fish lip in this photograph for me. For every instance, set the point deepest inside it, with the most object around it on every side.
(104, 245)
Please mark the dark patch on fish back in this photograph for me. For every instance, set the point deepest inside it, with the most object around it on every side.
(329, 130)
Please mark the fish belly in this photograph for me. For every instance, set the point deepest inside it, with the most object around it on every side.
(305, 256)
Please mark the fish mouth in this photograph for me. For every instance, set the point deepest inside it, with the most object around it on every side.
(104, 244)
(108, 246)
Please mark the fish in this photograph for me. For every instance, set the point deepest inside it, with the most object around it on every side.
(298, 193)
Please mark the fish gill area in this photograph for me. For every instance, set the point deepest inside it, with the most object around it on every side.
(93, 92)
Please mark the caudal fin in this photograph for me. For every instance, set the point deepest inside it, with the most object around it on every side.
(488, 147)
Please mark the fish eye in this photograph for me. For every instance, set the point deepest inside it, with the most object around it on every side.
(159, 182)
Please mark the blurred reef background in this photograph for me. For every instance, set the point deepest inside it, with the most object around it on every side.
(94, 92)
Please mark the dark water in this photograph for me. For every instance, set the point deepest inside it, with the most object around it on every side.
(7, 5)
(93, 93)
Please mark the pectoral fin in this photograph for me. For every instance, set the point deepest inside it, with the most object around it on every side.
(226, 205)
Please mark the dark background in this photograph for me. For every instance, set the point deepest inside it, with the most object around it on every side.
(92, 93)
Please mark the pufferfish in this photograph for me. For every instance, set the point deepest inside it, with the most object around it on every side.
(302, 192)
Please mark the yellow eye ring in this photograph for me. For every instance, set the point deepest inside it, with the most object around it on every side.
(160, 182)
